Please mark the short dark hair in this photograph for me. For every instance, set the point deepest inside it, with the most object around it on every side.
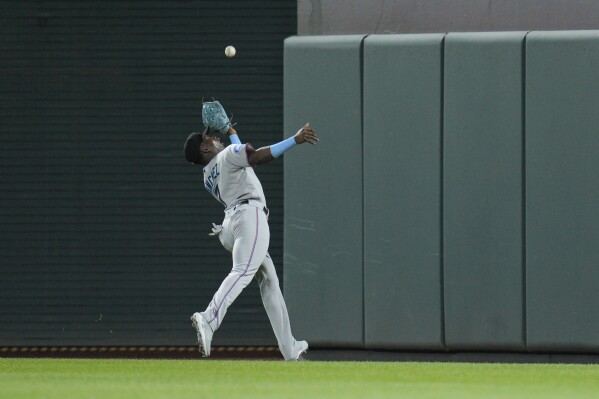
(192, 148)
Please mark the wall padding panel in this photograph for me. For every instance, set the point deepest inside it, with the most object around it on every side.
(562, 194)
(323, 190)
(402, 140)
(482, 207)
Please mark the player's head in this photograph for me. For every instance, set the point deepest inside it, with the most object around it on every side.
(200, 148)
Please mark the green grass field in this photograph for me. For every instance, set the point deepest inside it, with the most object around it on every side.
(65, 379)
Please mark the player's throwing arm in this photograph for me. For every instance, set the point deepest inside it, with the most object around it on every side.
(266, 154)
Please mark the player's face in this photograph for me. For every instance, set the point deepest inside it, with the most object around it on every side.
(213, 143)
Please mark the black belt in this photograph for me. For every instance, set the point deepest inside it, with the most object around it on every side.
(247, 201)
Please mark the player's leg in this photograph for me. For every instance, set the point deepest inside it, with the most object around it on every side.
(226, 235)
(250, 230)
(203, 329)
(272, 297)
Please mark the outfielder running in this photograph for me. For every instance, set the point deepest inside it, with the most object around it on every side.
(230, 178)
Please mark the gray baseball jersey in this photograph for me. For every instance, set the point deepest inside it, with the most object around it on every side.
(245, 233)
(230, 178)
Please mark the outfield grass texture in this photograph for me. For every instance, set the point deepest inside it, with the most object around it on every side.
(87, 378)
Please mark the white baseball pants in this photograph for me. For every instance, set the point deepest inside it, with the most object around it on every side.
(246, 234)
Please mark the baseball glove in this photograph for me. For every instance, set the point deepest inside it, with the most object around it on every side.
(215, 117)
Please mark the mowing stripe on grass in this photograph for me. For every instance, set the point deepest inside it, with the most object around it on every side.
(86, 378)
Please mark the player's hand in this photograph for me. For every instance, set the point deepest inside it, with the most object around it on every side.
(306, 135)
(231, 131)
(216, 229)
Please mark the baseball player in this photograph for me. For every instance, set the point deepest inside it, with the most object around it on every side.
(230, 178)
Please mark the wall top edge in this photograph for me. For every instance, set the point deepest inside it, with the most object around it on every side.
(408, 37)
(565, 34)
(324, 39)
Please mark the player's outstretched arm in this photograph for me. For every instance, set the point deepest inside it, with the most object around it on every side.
(266, 154)
(233, 136)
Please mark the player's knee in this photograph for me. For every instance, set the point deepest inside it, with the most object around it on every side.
(262, 283)
(268, 280)
(238, 269)
(259, 277)
(243, 269)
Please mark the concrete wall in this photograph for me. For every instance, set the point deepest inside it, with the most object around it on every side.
(335, 17)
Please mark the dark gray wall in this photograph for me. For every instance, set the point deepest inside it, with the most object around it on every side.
(333, 17)
(103, 225)
(479, 191)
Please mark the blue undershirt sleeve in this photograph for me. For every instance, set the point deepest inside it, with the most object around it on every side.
(234, 139)
(278, 149)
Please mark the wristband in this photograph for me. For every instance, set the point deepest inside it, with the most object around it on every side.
(234, 139)
(278, 149)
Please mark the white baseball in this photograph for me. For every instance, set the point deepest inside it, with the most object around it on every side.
(230, 51)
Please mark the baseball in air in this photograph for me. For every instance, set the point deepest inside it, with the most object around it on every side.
(230, 51)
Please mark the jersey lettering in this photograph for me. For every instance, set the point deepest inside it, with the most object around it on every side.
(216, 194)
(229, 178)
(209, 183)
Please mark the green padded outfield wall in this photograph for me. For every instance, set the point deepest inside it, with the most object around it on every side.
(482, 191)
(518, 183)
(562, 190)
(103, 224)
(402, 191)
(323, 190)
